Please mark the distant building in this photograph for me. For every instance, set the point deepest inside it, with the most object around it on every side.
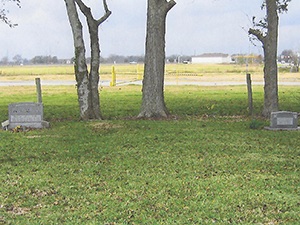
(212, 58)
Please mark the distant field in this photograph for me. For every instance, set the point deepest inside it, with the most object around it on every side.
(67, 71)
(193, 69)
(178, 72)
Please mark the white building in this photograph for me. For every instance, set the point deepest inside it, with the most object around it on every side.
(212, 58)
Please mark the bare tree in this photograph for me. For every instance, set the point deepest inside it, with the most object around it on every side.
(3, 12)
(266, 31)
(153, 104)
(87, 81)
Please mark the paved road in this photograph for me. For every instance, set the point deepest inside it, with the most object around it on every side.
(123, 83)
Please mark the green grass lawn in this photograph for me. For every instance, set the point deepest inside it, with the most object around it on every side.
(203, 166)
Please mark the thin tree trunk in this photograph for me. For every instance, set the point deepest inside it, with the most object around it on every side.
(153, 104)
(94, 71)
(87, 83)
(81, 71)
(93, 26)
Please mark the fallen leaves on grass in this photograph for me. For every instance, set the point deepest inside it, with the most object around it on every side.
(98, 126)
(18, 211)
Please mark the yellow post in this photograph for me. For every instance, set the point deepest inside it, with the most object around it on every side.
(114, 77)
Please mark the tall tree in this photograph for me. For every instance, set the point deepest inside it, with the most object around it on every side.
(87, 81)
(153, 104)
(266, 31)
(3, 12)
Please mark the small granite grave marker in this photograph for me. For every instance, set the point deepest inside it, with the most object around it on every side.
(26, 114)
(284, 120)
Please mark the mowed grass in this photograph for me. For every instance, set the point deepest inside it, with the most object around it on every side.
(204, 165)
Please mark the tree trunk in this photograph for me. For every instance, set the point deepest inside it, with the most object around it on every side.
(94, 71)
(93, 27)
(87, 83)
(153, 104)
(271, 69)
(80, 66)
(270, 42)
(270, 52)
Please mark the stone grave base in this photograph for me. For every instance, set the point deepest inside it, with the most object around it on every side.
(282, 129)
(41, 125)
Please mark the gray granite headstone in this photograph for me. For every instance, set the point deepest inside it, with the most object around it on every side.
(26, 114)
(284, 120)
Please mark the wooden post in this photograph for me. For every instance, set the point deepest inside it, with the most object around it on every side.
(250, 98)
(38, 90)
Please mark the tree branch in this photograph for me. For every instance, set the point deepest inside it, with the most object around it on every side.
(84, 9)
(165, 6)
(88, 14)
(258, 34)
(107, 13)
(105, 6)
(171, 4)
(3, 13)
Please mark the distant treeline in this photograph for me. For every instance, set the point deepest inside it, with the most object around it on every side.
(19, 60)
(287, 56)
(40, 60)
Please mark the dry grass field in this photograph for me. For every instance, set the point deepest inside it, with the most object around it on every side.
(180, 72)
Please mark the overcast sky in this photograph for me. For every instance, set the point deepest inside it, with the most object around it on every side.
(193, 27)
